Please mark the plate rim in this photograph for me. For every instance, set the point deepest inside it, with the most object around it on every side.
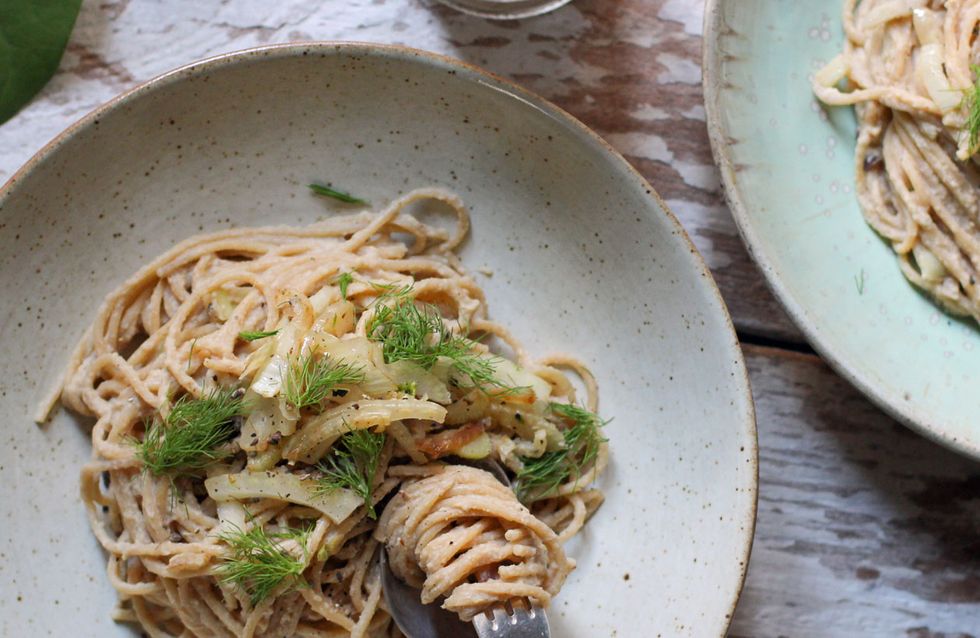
(714, 88)
(745, 420)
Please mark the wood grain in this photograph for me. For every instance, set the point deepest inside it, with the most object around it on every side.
(630, 69)
(864, 528)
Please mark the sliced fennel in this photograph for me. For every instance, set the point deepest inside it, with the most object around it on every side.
(382, 378)
(231, 517)
(479, 448)
(264, 460)
(426, 385)
(929, 266)
(930, 74)
(268, 382)
(265, 419)
(367, 355)
(337, 319)
(527, 422)
(891, 11)
(257, 360)
(336, 505)
(928, 26)
(273, 362)
(513, 375)
(313, 440)
(929, 68)
(470, 407)
(225, 300)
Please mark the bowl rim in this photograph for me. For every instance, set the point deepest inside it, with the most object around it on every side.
(714, 86)
(505, 13)
(746, 420)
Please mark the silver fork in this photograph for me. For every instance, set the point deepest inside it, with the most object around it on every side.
(523, 623)
(416, 620)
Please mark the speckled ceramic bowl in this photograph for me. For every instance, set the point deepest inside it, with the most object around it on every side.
(787, 165)
(585, 258)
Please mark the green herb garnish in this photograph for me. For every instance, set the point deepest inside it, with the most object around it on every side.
(392, 291)
(859, 280)
(542, 476)
(416, 332)
(326, 191)
(308, 380)
(344, 280)
(972, 101)
(253, 335)
(188, 439)
(258, 564)
(352, 464)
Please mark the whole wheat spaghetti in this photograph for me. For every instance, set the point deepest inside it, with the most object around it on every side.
(907, 67)
(260, 395)
(461, 533)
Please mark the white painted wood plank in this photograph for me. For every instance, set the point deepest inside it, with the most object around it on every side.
(864, 528)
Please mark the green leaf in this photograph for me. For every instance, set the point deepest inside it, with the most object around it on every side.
(189, 439)
(33, 35)
(326, 191)
(258, 564)
(308, 380)
(416, 332)
(256, 335)
(972, 99)
(352, 465)
(344, 280)
(541, 477)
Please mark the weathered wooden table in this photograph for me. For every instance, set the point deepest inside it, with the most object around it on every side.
(864, 529)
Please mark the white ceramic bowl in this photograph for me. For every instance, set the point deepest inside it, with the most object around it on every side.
(586, 258)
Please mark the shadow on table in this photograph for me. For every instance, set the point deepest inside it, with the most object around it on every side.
(860, 520)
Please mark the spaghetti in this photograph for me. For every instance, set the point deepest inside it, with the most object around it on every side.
(461, 533)
(907, 66)
(260, 395)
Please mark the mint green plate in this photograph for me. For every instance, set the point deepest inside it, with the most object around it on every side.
(787, 166)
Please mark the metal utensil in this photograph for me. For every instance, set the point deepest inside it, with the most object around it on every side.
(523, 623)
(505, 9)
(414, 619)
(418, 620)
